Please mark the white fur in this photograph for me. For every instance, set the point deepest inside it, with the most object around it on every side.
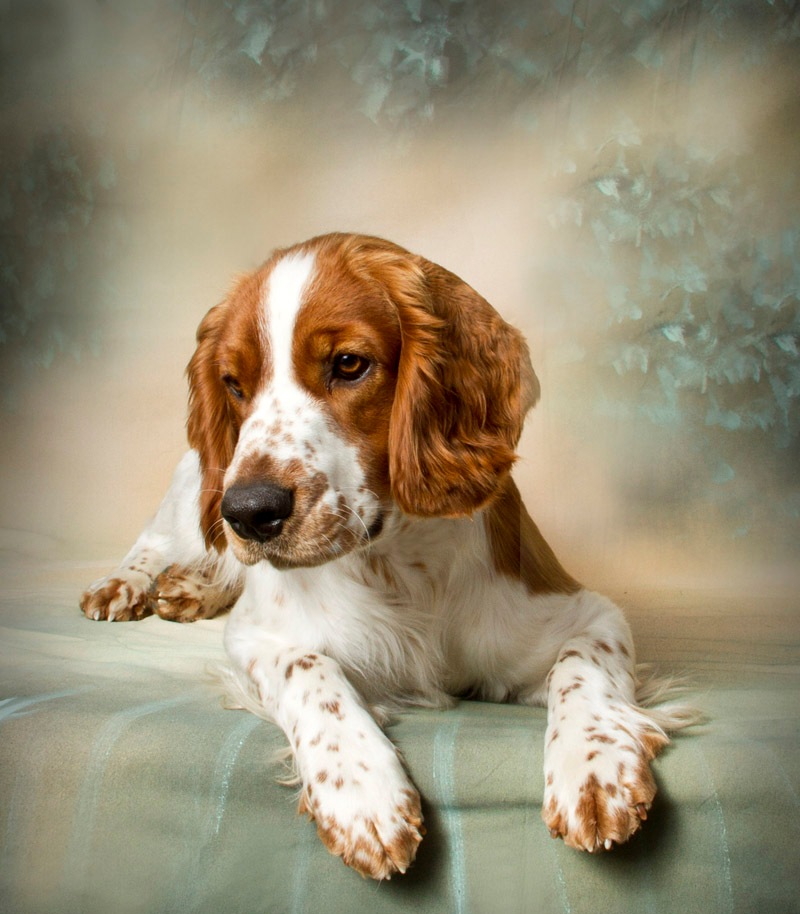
(284, 293)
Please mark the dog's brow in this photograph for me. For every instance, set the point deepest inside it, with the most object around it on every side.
(283, 297)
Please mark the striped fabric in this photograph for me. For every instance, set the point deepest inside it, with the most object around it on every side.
(126, 787)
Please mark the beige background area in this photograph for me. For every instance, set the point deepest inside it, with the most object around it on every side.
(90, 444)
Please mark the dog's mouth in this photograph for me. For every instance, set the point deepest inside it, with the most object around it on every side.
(303, 538)
(283, 555)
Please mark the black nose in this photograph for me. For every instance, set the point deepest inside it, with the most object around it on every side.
(256, 511)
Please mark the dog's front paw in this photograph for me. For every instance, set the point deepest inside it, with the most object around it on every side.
(366, 809)
(120, 597)
(181, 595)
(598, 784)
(374, 842)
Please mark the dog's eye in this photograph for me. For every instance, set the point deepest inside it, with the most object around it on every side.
(350, 367)
(233, 386)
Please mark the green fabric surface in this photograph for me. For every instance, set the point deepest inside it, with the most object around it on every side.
(125, 786)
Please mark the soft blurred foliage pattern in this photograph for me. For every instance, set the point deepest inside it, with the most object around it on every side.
(677, 225)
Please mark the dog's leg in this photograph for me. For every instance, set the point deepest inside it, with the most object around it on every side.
(354, 785)
(599, 745)
(168, 571)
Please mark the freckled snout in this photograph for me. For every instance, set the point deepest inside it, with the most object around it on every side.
(256, 511)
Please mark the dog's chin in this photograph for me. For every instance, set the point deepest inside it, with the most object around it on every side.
(285, 558)
(254, 553)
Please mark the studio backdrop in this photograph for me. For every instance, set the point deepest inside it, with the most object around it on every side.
(619, 180)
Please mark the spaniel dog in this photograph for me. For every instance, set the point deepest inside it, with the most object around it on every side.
(353, 416)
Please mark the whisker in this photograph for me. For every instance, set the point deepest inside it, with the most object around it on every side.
(360, 520)
(358, 490)
(217, 526)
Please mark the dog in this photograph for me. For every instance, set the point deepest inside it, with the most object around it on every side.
(354, 411)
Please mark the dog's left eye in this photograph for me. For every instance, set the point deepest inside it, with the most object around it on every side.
(233, 386)
(350, 367)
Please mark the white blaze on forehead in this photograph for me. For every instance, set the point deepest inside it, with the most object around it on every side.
(287, 424)
(283, 298)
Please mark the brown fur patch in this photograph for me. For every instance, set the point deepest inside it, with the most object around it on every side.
(520, 551)
(332, 707)
(571, 653)
(129, 604)
(182, 595)
(215, 415)
(462, 380)
(601, 738)
(600, 820)
(571, 688)
(652, 742)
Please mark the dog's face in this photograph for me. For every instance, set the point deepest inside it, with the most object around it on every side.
(346, 381)
(309, 370)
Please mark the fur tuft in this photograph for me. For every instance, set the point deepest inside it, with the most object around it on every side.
(657, 694)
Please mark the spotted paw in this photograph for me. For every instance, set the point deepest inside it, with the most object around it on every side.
(375, 842)
(120, 597)
(366, 809)
(598, 784)
(181, 595)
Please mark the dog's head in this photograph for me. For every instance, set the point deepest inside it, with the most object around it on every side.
(343, 381)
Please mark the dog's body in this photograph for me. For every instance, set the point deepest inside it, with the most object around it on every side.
(354, 411)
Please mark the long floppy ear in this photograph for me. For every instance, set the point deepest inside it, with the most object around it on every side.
(209, 427)
(464, 385)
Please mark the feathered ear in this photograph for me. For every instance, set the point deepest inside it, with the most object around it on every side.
(465, 383)
(209, 427)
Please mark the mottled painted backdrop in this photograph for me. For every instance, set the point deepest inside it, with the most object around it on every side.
(620, 179)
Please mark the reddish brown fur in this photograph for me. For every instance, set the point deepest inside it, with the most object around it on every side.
(349, 311)
(178, 596)
(464, 385)
(228, 342)
(113, 590)
(332, 707)
(448, 422)
(440, 413)
(519, 549)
